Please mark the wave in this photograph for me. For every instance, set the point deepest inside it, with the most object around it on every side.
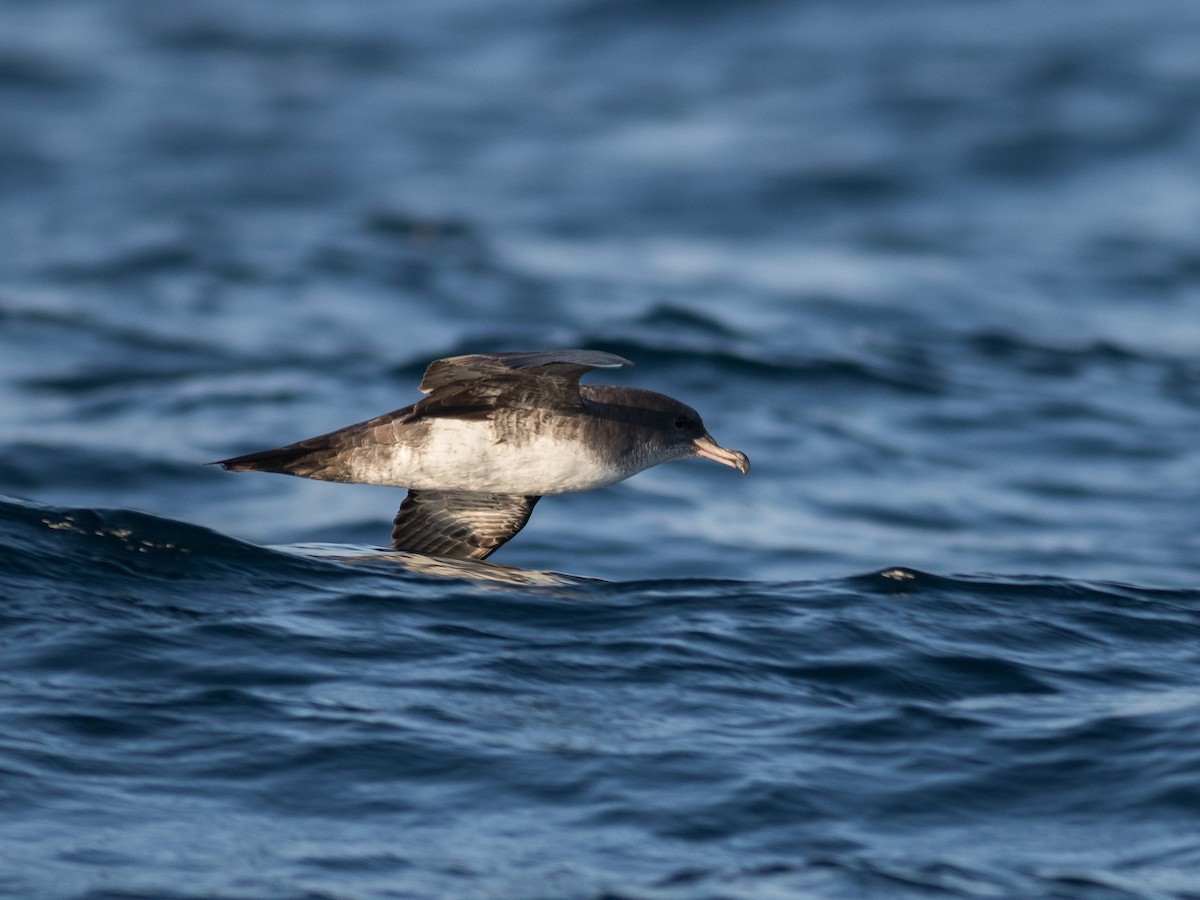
(92, 547)
(83, 543)
(87, 546)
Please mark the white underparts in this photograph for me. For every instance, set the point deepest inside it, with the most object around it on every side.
(467, 455)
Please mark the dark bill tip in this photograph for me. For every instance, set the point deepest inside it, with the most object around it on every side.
(710, 449)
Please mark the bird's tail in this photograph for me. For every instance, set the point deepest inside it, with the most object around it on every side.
(293, 459)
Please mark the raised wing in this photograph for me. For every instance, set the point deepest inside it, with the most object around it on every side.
(459, 524)
(568, 364)
(481, 382)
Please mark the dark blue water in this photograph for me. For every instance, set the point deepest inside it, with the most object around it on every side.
(932, 265)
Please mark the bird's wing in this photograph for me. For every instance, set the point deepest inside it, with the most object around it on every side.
(481, 382)
(459, 524)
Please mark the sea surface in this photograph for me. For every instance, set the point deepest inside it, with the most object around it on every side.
(933, 265)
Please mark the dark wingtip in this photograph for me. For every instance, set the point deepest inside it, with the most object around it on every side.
(591, 359)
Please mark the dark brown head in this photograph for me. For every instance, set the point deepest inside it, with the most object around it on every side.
(664, 428)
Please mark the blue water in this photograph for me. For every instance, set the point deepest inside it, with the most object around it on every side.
(932, 265)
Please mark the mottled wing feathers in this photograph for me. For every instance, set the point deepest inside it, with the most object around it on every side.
(566, 364)
(459, 524)
(475, 385)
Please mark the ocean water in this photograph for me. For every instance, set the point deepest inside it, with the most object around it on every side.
(932, 265)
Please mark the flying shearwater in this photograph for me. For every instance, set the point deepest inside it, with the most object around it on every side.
(496, 432)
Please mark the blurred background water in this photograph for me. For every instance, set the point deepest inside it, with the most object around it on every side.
(934, 266)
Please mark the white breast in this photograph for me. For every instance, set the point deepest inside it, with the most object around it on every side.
(460, 455)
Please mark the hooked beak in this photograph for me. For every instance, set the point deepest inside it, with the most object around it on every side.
(710, 449)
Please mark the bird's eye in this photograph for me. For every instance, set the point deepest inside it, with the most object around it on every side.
(680, 421)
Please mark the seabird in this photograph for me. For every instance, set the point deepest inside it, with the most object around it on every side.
(496, 432)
